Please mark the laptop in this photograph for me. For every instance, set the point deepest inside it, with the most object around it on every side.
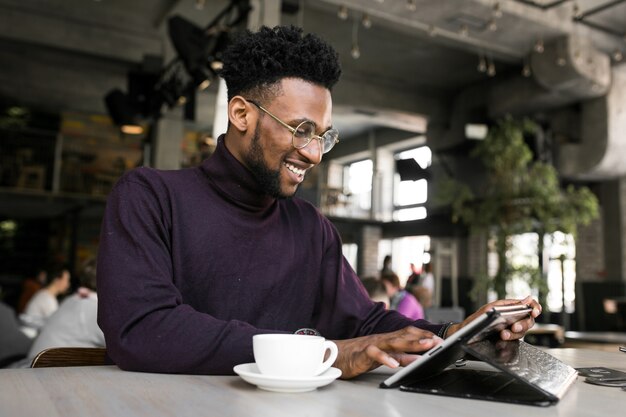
(512, 372)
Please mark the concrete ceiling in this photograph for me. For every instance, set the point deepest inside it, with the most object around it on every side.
(412, 63)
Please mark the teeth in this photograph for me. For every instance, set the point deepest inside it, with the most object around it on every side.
(294, 169)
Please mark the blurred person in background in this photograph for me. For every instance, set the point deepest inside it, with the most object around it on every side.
(30, 286)
(45, 301)
(376, 290)
(74, 324)
(386, 269)
(401, 300)
(414, 278)
(14, 344)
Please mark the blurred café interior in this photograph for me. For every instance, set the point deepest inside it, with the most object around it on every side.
(90, 89)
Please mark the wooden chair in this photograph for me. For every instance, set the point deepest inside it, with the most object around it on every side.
(69, 356)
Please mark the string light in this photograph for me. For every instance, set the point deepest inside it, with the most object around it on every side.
(526, 72)
(618, 56)
(539, 48)
(411, 6)
(497, 10)
(492, 25)
(356, 51)
(366, 21)
(482, 64)
(560, 59)
(342, 13)
(491, 68)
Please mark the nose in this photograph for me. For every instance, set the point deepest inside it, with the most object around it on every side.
(313, 151)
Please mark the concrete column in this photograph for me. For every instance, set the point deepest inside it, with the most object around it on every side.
(622, 217)
(590, 252)
(477, 254)
(167, 139)
(613, 200)
(368, 251)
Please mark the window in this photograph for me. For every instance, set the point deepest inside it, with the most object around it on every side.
(350, 252)
(410, 196)
(559, 267)
(358, 186)
(404, 251)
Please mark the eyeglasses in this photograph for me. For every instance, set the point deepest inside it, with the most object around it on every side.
(304, 133)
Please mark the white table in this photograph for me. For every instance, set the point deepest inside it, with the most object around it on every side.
(108, 391)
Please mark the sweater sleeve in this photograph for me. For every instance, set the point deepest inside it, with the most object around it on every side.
(147, 326)
(347, 311)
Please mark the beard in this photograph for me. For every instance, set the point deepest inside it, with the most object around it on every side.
(269, 179)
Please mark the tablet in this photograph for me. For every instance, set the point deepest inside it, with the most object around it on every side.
(446, 353)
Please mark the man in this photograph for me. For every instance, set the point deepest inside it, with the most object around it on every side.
(194, 262)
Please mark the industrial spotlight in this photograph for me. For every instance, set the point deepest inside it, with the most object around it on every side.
(199, 59)
(410, 170)
(123, 112)
(192, 46)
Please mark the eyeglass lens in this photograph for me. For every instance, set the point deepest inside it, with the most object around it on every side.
(304, 133)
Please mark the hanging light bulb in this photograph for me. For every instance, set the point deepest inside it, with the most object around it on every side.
(497, 10)
(561, 61)
(200, 4)
(577, 55)
(491, 68)
(482, 64)
(342, 13)
(539, 48)
(463, 30)
(410, 5)
(492, 25)
(618, 56)
(366, 21)
(526, 72)
(355, 52)
(432, 30)
(576, 11)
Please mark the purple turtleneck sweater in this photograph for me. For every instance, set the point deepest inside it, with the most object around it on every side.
(192, 263)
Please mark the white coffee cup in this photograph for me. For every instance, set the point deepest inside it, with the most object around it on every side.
(292, 355)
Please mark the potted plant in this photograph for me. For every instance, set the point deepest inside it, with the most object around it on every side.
(520, 195)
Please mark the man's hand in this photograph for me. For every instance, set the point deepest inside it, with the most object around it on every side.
(517, 329)
(362, 354)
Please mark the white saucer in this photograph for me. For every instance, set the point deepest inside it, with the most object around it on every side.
(250, 373)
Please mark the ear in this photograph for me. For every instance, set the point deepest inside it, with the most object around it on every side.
(239, 115)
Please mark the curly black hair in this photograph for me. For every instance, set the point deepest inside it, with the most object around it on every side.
(255, 62)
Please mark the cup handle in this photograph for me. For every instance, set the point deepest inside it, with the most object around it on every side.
(332, 347)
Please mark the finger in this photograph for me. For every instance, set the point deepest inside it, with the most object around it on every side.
(507, 302)
(410, 339)
(404, 358)
(380, 356)
(517, 329)
(531, 302)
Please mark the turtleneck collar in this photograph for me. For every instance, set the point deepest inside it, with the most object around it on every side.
(233, 180)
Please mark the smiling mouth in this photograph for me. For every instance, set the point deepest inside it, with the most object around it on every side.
(295, 170)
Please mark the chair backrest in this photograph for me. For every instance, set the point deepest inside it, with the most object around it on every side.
(69, 356)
